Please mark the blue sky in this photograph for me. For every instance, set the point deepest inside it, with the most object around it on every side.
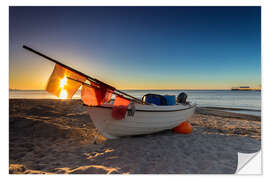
(139, 47)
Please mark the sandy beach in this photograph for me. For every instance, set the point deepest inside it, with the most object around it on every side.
(56, 137)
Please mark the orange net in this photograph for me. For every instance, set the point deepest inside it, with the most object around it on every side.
(108, 96)
(62, 87)
(92, 96)
(120, 107)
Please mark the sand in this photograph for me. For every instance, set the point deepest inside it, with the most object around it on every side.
(56, 137)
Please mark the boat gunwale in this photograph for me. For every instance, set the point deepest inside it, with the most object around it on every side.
(141, 110)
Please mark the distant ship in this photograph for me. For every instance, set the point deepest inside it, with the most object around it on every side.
(245, 88)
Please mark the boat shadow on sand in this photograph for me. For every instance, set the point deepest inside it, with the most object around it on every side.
(57, 137)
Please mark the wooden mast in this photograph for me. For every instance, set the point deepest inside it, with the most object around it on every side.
(80, 73)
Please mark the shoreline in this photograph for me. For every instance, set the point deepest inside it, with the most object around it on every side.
(56, 136)
(233, 109)
(201, 107)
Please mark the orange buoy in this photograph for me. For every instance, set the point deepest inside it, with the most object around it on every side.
(183, 128)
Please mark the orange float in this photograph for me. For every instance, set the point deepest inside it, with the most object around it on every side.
(183, 128)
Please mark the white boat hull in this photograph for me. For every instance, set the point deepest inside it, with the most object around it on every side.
(146, 120)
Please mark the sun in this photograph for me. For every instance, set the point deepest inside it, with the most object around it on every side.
(63, 82)
(63, 94)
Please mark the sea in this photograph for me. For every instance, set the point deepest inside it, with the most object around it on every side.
(246, 102)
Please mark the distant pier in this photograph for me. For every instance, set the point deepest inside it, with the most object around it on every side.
(245, 88)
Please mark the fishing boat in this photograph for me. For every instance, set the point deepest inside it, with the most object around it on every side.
(123, 116)
(146, 120)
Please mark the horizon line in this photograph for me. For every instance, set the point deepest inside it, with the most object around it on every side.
(120, 89)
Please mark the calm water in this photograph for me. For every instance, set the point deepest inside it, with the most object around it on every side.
(213, 98)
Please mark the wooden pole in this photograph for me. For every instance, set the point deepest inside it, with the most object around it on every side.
(78, 72)
(86, 84)
(65, 66)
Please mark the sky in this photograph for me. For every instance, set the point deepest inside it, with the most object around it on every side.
(138, 47)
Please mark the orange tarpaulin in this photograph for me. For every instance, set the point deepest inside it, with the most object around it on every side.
(95, 96)
(60, 85)
(120, 107)
(108, 96)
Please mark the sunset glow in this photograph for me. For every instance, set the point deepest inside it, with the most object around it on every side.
(154, 48)
(63, 82)
(63, 94)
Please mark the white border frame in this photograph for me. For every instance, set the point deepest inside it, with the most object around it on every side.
(5, 72)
